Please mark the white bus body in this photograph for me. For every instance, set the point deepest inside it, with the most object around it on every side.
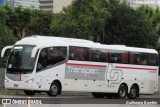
(55, 64)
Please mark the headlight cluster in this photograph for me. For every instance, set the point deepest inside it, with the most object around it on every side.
(6, 80)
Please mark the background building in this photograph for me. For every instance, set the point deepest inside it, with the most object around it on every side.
(59, 4)
(25, 3)
(136, 3)
(54, 5)
(46, 5)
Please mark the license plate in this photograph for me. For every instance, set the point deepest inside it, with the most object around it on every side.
(15, 85)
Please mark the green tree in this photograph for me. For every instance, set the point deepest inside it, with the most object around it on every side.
(129, 27)
(152, 14)
(40, 23)
(82, 19)
(156, 21)
(6, 35)
(19, 20)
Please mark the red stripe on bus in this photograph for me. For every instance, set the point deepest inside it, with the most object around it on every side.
(86, 65)
(135, 68)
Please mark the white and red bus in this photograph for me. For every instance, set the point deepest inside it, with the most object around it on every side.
(56, 64)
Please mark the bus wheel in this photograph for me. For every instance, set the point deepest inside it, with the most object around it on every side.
(98, 95)
(30, 93)
(133, 92)
(54, 89)
(122, 92)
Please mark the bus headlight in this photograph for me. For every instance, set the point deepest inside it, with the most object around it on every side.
(30, 80)
(6, 80)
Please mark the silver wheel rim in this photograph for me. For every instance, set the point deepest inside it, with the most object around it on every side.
(133, 92)
(122, 92)
(54, 89)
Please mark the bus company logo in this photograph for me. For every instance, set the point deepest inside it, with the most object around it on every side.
(6, 101)
(82, 70)
(113, 75)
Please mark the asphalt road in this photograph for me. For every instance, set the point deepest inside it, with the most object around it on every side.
(64, 99)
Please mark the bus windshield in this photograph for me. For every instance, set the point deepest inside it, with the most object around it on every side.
(20, 60)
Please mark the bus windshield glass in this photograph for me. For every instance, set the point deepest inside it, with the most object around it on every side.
(20, 60)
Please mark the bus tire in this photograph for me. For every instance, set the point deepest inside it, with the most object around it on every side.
(98, 95)
(133, 92)
(30, 93)
(54, 89)
(122, 92)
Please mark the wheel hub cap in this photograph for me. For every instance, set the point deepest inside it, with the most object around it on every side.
(54, 89)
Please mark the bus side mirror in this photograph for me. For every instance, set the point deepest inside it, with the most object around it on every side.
(34, 51)
(4, 50)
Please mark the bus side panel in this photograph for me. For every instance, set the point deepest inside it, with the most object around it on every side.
(57, 73)
(46, 77)
(75, 77)
(150, 84)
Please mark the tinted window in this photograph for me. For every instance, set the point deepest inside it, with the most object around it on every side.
(124, 57)
(104, 57)
(50, 56)
(152, 59)
(115, 57)
(131, 58)
(118, 57)
(78, 53)
(95, 55)
(112, 56)
(141, 58)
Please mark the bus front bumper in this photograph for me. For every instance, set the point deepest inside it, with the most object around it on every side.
(19, 85)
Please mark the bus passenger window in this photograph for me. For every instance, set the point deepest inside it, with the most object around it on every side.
(95, 55)
(131, 57)
(137, 58)
(50, 56)
(78, 53)
(115, 58)
(141, 58)
(42, 60)
(152, 59)
(104, 57)
(72, 53)
(124, 57)
(86, 54)
(144, 59)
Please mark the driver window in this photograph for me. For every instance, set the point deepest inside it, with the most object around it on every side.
(51, 56)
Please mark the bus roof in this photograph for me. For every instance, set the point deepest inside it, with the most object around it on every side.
(44, 41)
